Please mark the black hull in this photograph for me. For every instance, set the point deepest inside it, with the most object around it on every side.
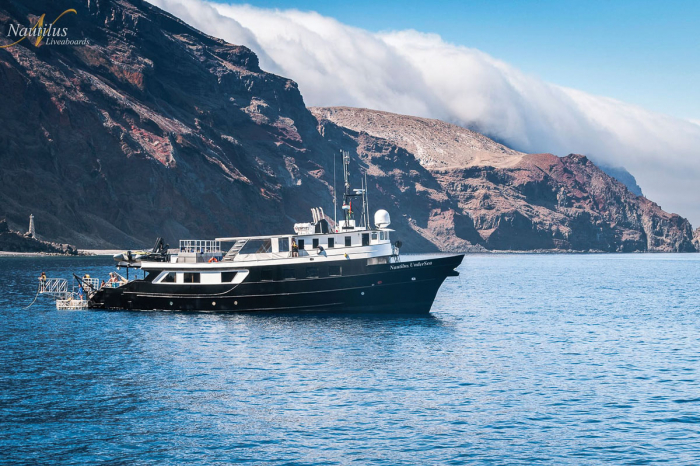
(406, 287)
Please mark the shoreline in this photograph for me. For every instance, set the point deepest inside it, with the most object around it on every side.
(81, 253)
(112, 252)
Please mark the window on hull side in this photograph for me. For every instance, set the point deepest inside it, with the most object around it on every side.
(311, 272)
(365, 239)
(227, 277)
(315, 243)
(348, 241)
(335, 270)
(331, 243)
(376, 260)
(300, 243)
(191, 277)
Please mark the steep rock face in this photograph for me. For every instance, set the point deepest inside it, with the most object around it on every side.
(505, 200)
(623, 176)
(155, 129)
(152, 129)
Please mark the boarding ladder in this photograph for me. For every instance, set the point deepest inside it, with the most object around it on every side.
(235, 249)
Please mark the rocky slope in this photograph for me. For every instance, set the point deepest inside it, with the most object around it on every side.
(156, 129)
(14, 241)
(500, 199)
(152, 129)
(434, 143)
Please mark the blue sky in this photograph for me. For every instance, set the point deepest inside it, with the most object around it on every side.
(641, 52)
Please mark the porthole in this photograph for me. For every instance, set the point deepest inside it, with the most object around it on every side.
(171, 303)
(213, 303)
(363, 293)
(413, 278)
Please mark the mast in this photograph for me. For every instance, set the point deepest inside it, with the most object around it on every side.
(349, 194)
(365, 204)
(335, 199)
(346, 177)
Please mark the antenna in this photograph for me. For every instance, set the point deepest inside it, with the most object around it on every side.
(335, 199)
(364, 199)
(366, 204)
(346, 170)
(346, 177)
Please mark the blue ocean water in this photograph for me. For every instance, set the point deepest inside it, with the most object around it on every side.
(525, 359)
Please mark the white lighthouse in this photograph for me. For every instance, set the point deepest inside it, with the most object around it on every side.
(32, 231)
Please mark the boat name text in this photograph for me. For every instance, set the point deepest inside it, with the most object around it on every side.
(410, 265)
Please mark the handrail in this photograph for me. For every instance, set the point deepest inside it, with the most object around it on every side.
(53, 285)
(200, 245)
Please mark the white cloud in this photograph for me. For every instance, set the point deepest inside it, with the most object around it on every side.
(420, 74)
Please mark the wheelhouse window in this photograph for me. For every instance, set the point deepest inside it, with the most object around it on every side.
(331, 243)
(348, 241)
(191, 277)
(266, 275)
(288, 274)
(257, 246)
(300, 243)
(381, 235)
(311, 272)
(227, 277)
(315, 243)
(335, 270)
(365, 239)
(283, 244)
(374, 237)
(169, 277)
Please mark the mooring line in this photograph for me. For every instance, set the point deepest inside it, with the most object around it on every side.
(32, 303)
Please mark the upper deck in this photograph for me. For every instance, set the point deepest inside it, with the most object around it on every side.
(278, 249)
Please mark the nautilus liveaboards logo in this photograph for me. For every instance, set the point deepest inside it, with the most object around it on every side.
(42, 32)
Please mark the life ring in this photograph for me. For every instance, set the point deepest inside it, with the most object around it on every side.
(213, 259)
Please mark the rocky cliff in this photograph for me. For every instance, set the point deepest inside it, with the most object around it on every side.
(156, 129)
(152, 129)
(501, 199)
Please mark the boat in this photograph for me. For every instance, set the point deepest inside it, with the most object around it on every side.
(332, 266)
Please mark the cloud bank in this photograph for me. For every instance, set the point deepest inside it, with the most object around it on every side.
(414, 73)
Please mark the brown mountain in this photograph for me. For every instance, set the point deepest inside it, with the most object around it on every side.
(502, 199)
(156, 129)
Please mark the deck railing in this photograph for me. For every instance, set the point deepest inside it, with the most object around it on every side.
(57, 287)
(200, 246)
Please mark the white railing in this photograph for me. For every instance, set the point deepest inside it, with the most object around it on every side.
(57, 287)
(71, 303)
(91, 284)
(199, 246)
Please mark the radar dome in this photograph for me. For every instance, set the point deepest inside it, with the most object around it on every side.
(382, 219)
